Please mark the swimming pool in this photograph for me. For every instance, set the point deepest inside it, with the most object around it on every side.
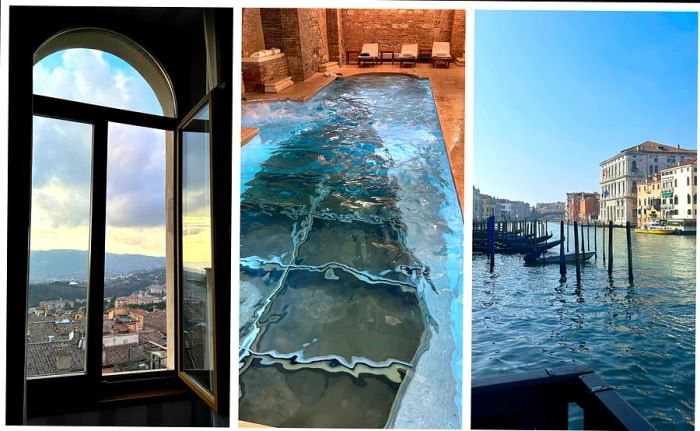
(351, 261)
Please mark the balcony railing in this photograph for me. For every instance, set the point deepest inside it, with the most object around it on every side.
(540, 400)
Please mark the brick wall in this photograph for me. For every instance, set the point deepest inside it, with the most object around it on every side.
(251, 31)
(393, 27)
(336, 49)
(314, 40)
(281, 30)
(255, 75)
(457, 39)
(442, 26)
(271, 20)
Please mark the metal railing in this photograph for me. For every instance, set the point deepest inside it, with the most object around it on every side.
(540, 400)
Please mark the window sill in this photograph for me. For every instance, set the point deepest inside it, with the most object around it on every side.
(46, 397)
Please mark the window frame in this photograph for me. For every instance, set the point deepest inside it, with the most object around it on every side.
(22, 400)
(219, 101)
(111, 387)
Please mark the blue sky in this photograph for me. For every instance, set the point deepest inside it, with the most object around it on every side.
(556, 93)
(61, 160)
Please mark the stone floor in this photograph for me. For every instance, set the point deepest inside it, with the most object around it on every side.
(448, 91)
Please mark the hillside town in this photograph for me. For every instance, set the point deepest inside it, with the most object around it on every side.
(134, 334)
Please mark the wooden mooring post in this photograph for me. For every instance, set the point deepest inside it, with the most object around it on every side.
(491, 240)
(588, 235)
(583, 241)
(578, 267)
(629, 253)
(610, 247)
(562, 260)
(595, 239)
(603, 244)
(567, 236)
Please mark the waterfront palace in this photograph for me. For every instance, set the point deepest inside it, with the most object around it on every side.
(620, 175)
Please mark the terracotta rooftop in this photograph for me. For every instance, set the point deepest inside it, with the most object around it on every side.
(156, 320)
(122, 354)
(43, 358)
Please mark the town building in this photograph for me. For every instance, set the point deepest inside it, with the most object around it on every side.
(679, 191)
(620, 174)
(582, 206)
(551, 210)
(478, 204)
(649, 199)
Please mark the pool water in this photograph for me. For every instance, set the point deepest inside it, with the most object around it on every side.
(639, 336)
(351, 261)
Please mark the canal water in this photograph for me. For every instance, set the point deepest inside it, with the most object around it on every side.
(638, 336)
(351, 261)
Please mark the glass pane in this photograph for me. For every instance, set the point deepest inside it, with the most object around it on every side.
(58, 265)
(197, 296)
(96, 77)
(135, 313)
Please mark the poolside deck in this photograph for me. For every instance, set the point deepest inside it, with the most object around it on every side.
(448, 91)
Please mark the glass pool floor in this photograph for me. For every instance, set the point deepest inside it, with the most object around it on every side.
(351, 261)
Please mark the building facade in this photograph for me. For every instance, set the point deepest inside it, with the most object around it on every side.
(478, 204)
(679, 191)
(649, 199)
(620, 175)
(582, 206)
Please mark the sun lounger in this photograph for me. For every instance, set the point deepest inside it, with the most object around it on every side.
(368, 54)
(409, 54)
(441, 53)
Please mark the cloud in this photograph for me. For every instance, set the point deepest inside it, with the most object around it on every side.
(91, 76)
(135, 176)
(62, 150)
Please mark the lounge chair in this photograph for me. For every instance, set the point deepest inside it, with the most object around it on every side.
(369, 53)
(441, 53)
(409, 54)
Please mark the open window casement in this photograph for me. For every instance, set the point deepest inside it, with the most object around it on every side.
(203, 285)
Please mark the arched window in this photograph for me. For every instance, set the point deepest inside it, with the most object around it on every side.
(96, 179)
(688, 197)
(675, 200)
(101, 127)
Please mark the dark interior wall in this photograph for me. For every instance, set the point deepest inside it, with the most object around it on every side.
(174, 36)
(188, 412)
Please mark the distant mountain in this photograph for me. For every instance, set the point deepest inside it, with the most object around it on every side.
(46, 265)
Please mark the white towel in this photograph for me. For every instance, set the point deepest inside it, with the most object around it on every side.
(275, 50)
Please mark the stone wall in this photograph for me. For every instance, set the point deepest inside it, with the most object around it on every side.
(252, 32)
(255, 75)
(393, 27)
(314, 40)
(457, 39)
(336, 48)
(271, 20)
(311, 37)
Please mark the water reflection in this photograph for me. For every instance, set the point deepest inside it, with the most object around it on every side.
(333, 311)
(639, 336)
